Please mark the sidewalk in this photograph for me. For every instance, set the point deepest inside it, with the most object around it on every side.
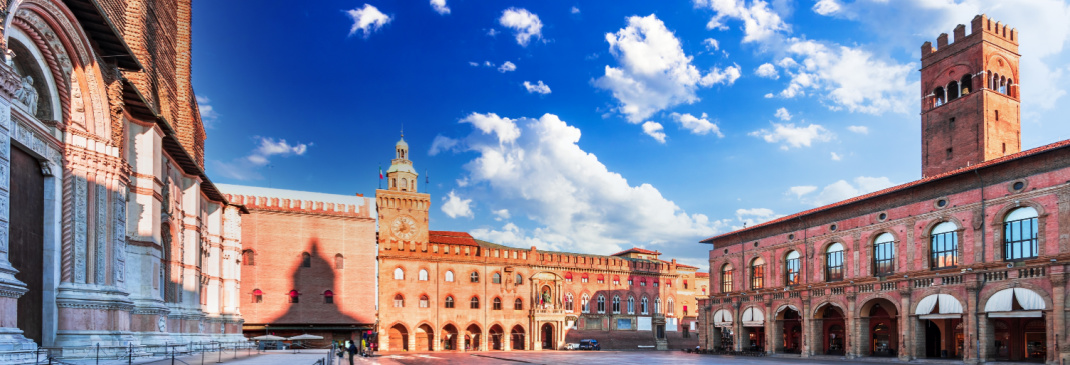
(241, 357)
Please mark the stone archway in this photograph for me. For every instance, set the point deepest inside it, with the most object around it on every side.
(449, 337)
(788, 331)
(546, 335)
(496, 338)
(398, 338)
(473, 338)
(517, 338)
(878, 324)
(425, 338)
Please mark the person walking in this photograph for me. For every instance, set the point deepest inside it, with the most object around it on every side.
(352, 349)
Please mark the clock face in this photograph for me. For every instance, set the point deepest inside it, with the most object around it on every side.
(404, 227)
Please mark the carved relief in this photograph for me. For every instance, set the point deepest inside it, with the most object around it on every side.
(119, 252)
(101, 246)
(80, 228)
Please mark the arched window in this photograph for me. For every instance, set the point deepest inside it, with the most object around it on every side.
(631, 305)
(642, 306)
(294, 296)
(496, 278)
(258, 296)
(568, 303)
(757, 273)
(339, 262)
(306, 259)
(1008, 87)
(726, 278)
(449, 301)
(423, 275)
(519, 279)
(399, 274)
(1020, 234)
(616, 304)
(475, 303)
(952, 90)
(945, 246)
(1003, 85)
(966, 84)
(474, 277)
(399, 301)
(669, 306)
(328, 297)
(583, 279)
(938, 96)
(884, 254)
(685, 283)
(518, 304)
(657, 305)
(601, 279)
(993, 81)
(449, 276)
(585, 304)
(791, 268)
(425, 301)
(34, 93)
(834, 262)
(601, 303)
(497, 304)
(247, 257)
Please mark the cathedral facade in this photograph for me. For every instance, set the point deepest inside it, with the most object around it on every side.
(110, 231)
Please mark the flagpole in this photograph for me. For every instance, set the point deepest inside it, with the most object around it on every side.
(380, 176)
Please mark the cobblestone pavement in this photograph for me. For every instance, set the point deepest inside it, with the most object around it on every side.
(588, 358)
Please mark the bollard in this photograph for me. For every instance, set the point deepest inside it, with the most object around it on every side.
(98, 354)
(172, 355)
(219, 346)
(130, 355)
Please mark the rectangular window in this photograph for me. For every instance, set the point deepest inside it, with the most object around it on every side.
(726, 281)
(834, 266)
(624, 324)
(792, 266)
(424, 303)
(945, 248)
(884, 258)
(1020, 239)
(497, 305)
(757, 276)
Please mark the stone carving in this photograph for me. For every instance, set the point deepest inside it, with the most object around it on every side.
(3, 237)
(200, 327)
(161, 324)
(27, 95)
(101, 246)
(119, 201)
(79, 228)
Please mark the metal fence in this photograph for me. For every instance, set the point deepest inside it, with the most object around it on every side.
(211, 352)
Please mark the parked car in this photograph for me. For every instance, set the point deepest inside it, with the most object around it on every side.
(590, 345)
(572, 346)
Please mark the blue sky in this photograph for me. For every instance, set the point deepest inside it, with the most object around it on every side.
(594, 126)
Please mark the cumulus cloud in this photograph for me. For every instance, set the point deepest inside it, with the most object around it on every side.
(539, 87)
(860, 129)
(575, 10)
(697, 125)
(654, 129)
(711, 44)
(507, 67)
(575, 202)
(492, 32)
(751, 217)
(440, 7)
(654, 73)
(525, 24)
(759, 21)
(836, 156)
(455, 207)
(788, 135)
(501, 214)
(504, 128)
(851, 78)
(826, 7)
(783, 114)
(441, 144)
(767, 70)
(209, 116)
(267, 148)
(839, 190)
(367, 20)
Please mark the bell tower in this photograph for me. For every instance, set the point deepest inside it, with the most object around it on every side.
(970, 100)
(402, 211)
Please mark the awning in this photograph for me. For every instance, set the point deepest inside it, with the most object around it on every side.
(1016, 314)
(753, 317)
(1003, 300)
(722, 318)
(948, 305)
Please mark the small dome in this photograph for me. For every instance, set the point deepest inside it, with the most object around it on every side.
(402, 144)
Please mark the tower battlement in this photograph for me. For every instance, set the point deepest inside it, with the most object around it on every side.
(981, 26)
(301, 206)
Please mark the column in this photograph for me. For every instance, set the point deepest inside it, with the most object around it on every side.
(808, 332)
(852, 346)
(969, 322)
(1058, 318)
(906, 324)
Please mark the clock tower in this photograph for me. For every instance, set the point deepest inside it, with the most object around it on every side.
(402, 210)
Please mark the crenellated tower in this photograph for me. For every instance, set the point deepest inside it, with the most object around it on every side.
(970, 99)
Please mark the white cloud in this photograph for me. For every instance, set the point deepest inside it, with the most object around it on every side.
(711, 44)
(488, 64)
(851, 77)
(654, 129)
(836, 156)
(767, 70)
(491, 123)
(793, 136)
(577, 204)
(575, 10)
(840, 190)
(751, 217)
(525, 24)
(441, 144)
(440, 7)
(247, 168)
(539, 87)
(696, 125)
(455, 207)
(367, 20)
(506, 67)
(492, 32)
(501, 214)
(209, 116)
(826, 7)
(860, 129)
(768, 95)
(654, 73)
(473, 64)
(759, 21)
(783, 114)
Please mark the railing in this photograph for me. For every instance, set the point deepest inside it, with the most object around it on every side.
(887, 286)
(951, 280)
(130, 353)
(1032, 272)
(866, 288)
(996, 276)
(817, 292)
(794, 294)
(923, 283)
(838, 290)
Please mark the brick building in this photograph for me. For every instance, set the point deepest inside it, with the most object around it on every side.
(968, 262)
(110, 231)
(443, 290)
(307, 263)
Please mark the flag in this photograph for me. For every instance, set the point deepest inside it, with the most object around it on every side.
(380, 171)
